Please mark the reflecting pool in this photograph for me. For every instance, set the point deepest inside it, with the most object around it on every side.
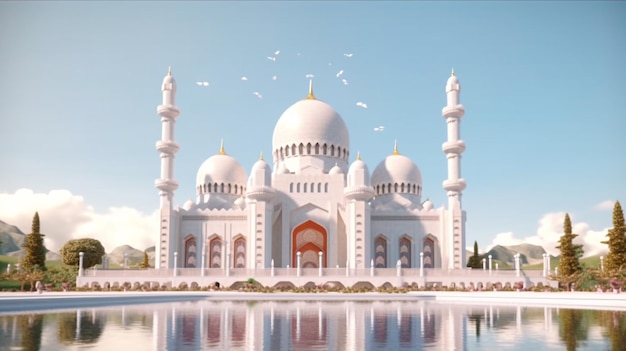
(314, 325)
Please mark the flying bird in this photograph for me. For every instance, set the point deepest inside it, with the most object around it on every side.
(344, 81)
(347, 55)
(277, 52)
(379, 128)
(244, 78)
(339, 73)
(271, 58)
(309, 76)
(274, 77)
(203, 84)
(361, 104)
(257, 94)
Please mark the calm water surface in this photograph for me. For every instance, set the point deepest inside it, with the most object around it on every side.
(312, 325)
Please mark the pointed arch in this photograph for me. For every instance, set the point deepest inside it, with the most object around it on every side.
(215, 252)
(309, 238)
(428, 248)
(190, 252)
(405, 251)
(380, 252)
(239, 252)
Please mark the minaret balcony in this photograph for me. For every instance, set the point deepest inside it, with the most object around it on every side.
(453, 111)
(261, 193)
(168, 111)
(453, 147)
(166, 184)
(167, 146)
(454, 184)
(362, 193)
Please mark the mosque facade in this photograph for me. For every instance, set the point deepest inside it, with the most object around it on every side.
(315, 204)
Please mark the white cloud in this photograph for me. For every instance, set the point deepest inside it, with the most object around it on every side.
(605, 205)
(65, 216)
(549, 232)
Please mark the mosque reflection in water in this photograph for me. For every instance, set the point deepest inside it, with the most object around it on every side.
(274, 325)
(300, 325)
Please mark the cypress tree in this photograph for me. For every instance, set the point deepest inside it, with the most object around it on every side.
(35, 252)
(474, 261)
(616, 259)
(568, 263)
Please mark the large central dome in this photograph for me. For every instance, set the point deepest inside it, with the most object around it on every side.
(307, 123)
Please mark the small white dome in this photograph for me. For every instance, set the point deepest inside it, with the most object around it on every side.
(396, 169)
(282, 169)
(222, 169)
(453, 82)
(240, 202)
(260, 175)
(427, 205)
(358, 173)
(358, 164)
(336, 170)
(261, 165)
(188, 204)
(169, 80)
(310, 121)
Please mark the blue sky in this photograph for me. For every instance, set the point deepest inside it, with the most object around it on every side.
(542, 85)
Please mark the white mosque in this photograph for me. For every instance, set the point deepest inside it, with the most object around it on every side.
(312, 206)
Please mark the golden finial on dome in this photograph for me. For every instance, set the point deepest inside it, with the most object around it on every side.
(311, 96)
(358, 156)
(452, 74)
(222, 152)
(395, 148)
(261, 157)
(169, 71)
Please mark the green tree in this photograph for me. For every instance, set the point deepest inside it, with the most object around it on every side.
(35, 252)
(146, 262)
(32, 327)
(569, 266)
(92, 249)
(475, 260)
(573, 328)
(616, 259)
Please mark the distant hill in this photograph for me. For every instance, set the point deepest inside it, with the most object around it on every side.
(135, 256)
(12, 239)
(529, 254)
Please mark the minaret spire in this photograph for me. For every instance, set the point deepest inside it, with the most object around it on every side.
(311, 96)
(167, 147)
(395, 148)
(222, 152)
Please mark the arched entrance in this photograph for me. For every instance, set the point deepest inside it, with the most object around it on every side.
(309, 238)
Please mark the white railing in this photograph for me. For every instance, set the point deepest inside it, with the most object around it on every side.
(308, 272)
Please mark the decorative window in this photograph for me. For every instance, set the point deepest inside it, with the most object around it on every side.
(380, 253)
(240, 253)
(405, 252)
(429, 253)
(190, 253)
(215, 253)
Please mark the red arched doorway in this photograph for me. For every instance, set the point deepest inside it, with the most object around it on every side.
(309, 238)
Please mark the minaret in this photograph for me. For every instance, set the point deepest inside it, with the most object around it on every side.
(453, 148)
(167, 184)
